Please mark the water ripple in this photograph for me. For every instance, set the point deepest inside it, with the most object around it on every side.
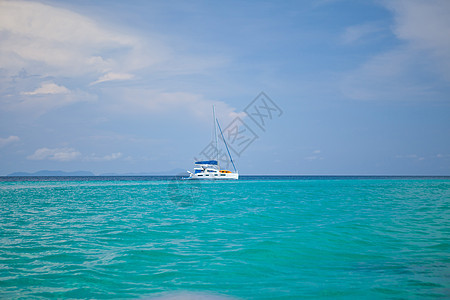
(255, 239)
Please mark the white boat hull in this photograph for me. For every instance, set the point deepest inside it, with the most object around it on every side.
(214, 176)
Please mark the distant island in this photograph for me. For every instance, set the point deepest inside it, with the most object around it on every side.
(88, 173)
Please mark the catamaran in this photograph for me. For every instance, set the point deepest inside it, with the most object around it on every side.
(210, 169)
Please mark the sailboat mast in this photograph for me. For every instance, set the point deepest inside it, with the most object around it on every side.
(226, 146)
(215, 138)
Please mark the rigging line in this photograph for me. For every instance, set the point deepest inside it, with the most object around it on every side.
(229, 154)
(215, 137)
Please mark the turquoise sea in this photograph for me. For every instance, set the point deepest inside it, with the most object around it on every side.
(256, 238)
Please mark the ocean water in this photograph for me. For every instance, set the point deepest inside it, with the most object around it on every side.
(256, 238)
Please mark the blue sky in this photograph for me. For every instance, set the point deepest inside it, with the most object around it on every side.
(127, 86)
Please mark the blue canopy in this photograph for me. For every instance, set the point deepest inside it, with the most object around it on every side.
(206, 162)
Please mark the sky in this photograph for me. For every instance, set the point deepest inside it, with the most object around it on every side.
(320, 87)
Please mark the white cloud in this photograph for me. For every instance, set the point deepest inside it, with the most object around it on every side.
(56, 154)
(70, 154)
(42, 41)
(425, 25)
(51, 42)
(412, 69)
(109, 157)
(113, 76)
(8, 140)
(191, 106)
(48, 88)
(315, 155)
(37, 103)
(47, 41)
(389, 76)
(40, 37)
